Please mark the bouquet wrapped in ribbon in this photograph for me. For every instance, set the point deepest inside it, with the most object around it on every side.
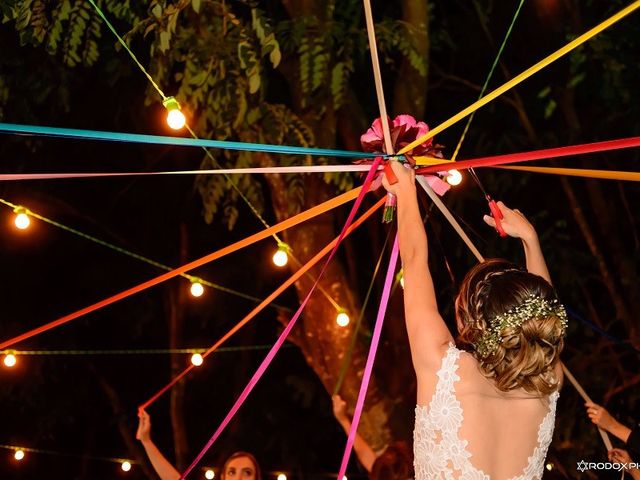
(404, 129)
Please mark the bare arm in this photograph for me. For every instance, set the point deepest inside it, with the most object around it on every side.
(516, 225)
(364, 452)
(428, 334)
(603, 419)
(163, 468)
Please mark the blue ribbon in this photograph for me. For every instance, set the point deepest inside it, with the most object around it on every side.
(600, 331)
(180, 141)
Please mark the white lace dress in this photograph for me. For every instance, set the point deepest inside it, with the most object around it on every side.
(439, 453)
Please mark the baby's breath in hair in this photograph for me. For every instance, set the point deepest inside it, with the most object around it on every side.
(533, 307)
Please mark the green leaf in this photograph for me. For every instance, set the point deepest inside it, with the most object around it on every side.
(165, 38)
(576, 79)
(254, 82)
(196, 5)
(550, 108)
(544, 92)
(157, 11)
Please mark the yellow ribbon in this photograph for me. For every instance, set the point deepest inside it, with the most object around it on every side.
(422, 161)
(581, 172)
(524, 75)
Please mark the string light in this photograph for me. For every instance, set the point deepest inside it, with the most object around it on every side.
(197, 289)
(125, 466)
(343, 318)
(209, 474)
(196, 359)
(10, 360)
(454, 177)
(400, 278)
(282, 476)
(549, 466)
(281, 257)
(175, 118)
(22, 220)
(19, 455)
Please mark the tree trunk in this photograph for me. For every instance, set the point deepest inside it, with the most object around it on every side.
(410, 90)
(324, 343)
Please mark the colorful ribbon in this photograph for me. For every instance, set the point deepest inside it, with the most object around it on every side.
(285, 333)
(581, 172)
(375, 340)
(290, 222)
(179, 141)
(524, 75)
(547, 153)
(301, 271)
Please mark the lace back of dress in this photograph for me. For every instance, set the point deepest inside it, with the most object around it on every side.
(443, 435)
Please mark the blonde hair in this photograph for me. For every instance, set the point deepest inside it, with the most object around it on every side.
(526, 355)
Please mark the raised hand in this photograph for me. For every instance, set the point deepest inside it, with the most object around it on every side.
(406, 178)
(514, 223)
(144, 426)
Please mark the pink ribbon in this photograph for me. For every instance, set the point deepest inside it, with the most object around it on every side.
(285, 333)
(375, 340)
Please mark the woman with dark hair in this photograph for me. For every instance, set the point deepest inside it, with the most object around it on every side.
(239, 466)
(485, 410)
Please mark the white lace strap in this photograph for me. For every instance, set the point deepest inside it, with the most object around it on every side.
(447, 374)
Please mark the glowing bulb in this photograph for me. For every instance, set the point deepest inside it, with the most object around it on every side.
(549, 466)
(342, 319)
(197, 289)
(10, 360)
(125, 466)
(454, 177)
(280, 258)
(175, 118)
(196, 359)
(22, 220)
(209, 474)
(344, 477)
(282, 476)
(19, 455)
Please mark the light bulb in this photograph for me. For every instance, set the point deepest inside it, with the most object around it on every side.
(549, 466)
(125, 466)
(19, 455)
(402, 281)
(280, 258)
(282, 476)
(344, 477)
(209, 474)
(196, 359)
(454, 177)
(175, 118)
(10, 360)
(342, 319)
(197, 289)
(22, 221)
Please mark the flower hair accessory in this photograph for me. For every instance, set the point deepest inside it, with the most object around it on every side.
(533, 307)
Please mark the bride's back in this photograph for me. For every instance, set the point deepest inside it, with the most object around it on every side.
(501, 428)
(470, 429)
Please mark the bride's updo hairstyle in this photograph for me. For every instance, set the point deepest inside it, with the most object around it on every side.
(514, 325)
